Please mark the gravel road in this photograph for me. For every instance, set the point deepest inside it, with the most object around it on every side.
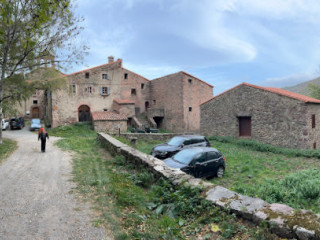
(35, 198)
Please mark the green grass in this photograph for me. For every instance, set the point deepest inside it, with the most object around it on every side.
(7, 148)
(135, 205)
(261, 170)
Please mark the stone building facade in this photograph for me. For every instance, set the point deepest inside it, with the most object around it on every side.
(171, 102)
(179, 96)
(270, 115)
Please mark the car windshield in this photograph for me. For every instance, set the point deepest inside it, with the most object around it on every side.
(176, 141)
(35, 120)
(185, 156)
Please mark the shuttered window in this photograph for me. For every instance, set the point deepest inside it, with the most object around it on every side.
(105, 91)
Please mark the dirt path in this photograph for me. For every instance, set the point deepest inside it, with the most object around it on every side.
(35, 202)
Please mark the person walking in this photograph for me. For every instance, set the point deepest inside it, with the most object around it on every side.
(43, 135)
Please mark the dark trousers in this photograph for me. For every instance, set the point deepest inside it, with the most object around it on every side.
(43, 145)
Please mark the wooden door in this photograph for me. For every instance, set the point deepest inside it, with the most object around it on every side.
(84, 113)
(35, 112)
(244, 126)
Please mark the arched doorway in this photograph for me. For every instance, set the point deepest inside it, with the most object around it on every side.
(84, 113)
(35, 113)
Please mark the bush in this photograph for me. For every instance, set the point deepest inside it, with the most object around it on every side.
(298, 190)
(261, 147)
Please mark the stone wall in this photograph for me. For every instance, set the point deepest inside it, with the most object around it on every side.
(65, 104)
(149, 136)
(167, 94)
(109, 126)
(275, 119)
(195, 92)
(281, 219)
(180, 95)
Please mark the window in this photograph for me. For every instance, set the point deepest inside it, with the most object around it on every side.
(190, 80)
(142, 85)
(105, 109)
(105, 91)
(105, 76)
(86, 75)
(200, 158)
(244, 126)
(154, 102)
(73, 88)
(313, 120)
(90, 89)
(213, 155)
(35, 101)
(190, 109)
(126, 76)
(314, 145)
(133, 92)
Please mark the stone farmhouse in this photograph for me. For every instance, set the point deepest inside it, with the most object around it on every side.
(114, 97)
(270, 115)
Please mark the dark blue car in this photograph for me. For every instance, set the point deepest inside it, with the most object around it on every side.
(16, 123)
(199, 162)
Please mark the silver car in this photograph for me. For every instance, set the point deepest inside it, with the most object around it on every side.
(35, 124)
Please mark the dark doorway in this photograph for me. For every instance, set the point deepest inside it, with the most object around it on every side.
(244, 126)
(84, 113)
(159, 121)
(35, 112)
(146, 104)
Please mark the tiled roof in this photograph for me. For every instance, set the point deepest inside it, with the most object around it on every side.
(185, 73)
(108, 116)
(88, 69)
(123, 101)
(279, 91)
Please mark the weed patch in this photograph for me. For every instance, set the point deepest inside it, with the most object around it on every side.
(135, 205)
(6, 148)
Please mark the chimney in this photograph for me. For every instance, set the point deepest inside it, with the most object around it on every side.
(110, 59)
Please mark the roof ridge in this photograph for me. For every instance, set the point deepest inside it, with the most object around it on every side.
(275, 90)
(88, 69)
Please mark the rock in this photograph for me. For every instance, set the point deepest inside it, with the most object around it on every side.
(281, 209)
(303, 233)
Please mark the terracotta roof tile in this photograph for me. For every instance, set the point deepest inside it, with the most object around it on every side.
(124, 101)
(88, 69)
(279, 91)
(108, 116)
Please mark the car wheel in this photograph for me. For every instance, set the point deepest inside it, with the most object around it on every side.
(220, 172)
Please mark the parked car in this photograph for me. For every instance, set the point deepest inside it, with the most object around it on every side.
(16, 123)
(5, 124)
(199, 162)
(177, 143)
(35, 124)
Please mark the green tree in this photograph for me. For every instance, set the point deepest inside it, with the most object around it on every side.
(31, 30)
(314, 90)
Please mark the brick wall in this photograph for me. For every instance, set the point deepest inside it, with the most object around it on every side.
(275, 119)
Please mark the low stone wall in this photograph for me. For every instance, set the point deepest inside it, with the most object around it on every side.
(282, 219)
(150, 136)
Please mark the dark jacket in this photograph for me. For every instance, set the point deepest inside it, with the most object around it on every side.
(42, 134)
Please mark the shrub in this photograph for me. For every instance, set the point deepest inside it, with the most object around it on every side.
(261, 147)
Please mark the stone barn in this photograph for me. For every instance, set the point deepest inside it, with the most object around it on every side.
(270, 115)
(109, 121)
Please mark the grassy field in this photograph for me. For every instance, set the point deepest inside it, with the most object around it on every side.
(6, 148)
(134, 205)
(279, 177)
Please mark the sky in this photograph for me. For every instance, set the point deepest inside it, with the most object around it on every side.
(272, 43)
